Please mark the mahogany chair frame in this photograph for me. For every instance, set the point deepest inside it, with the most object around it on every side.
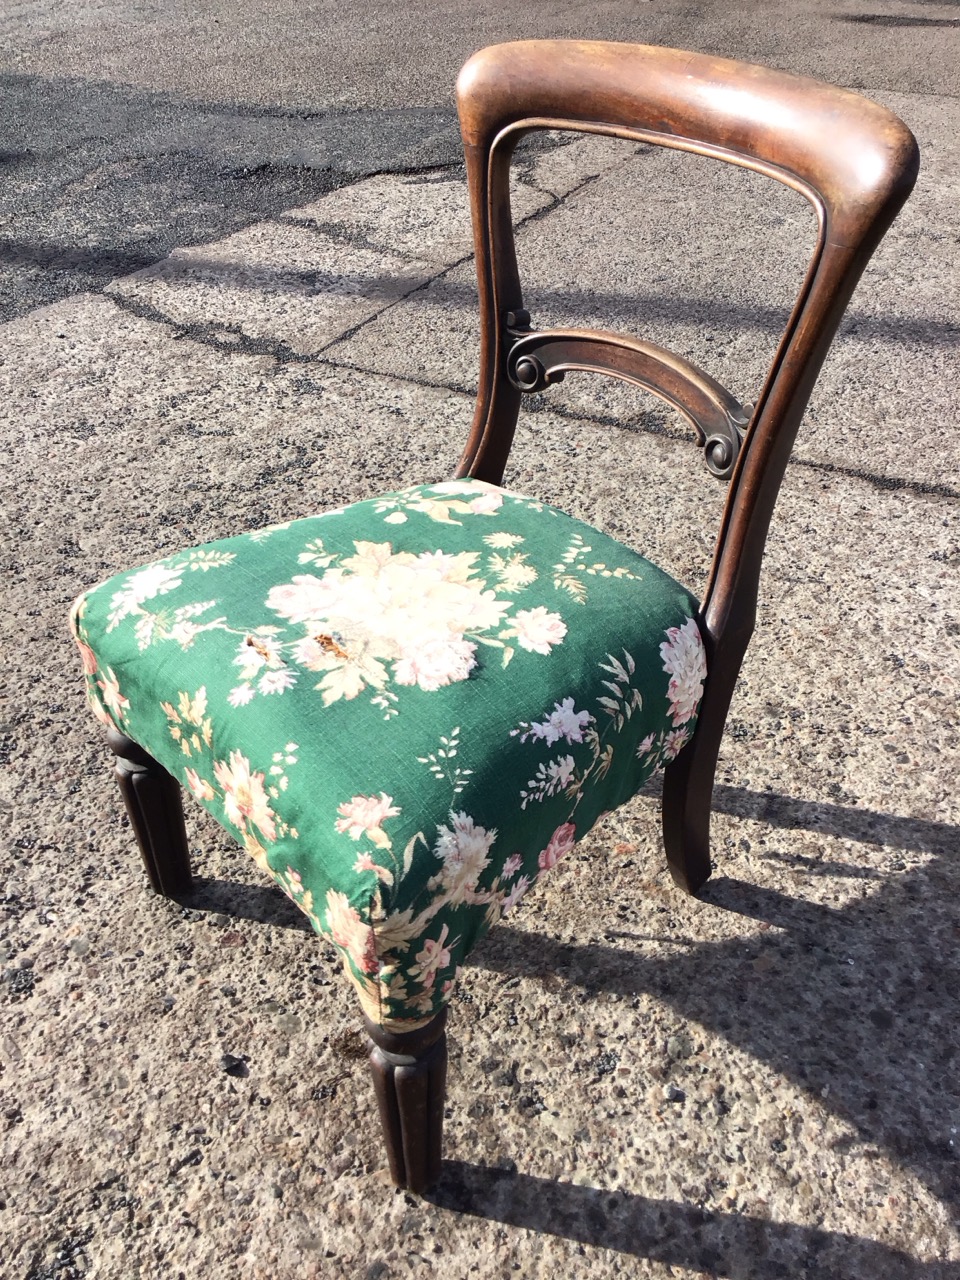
(856, 163)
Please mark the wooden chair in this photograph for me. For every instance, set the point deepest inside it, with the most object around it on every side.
(360, 697)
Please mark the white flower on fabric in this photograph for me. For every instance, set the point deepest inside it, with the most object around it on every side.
(561, 842)
(414, 611)
(349, 932)
(244, 795)
(463, 487)
(685, 661)
(486, 504)
(346, 681)
(560, 771)
(277, 681)
(154, 580)
(255, 653)
(199, 787)
(564, 721)
(365, 815)
(310, 653)
(538, 630)
(436, 664)
(513, 572)
(502, 541)
(240, 696)
(463, 848)
(446, 567)
(184, 633)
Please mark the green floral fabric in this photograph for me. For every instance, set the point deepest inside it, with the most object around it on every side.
(407, 709)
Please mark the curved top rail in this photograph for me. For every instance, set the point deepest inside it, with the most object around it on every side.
(854, 153)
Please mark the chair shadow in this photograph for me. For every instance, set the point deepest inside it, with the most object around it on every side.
(857, 1003)
(389, 287)
(264, 903)
(671, 1233)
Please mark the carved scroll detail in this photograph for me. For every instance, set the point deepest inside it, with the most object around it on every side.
(538, 359)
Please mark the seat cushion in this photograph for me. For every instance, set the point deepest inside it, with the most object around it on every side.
(407, 709)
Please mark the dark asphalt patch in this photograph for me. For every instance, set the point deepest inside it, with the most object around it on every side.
(98, 180)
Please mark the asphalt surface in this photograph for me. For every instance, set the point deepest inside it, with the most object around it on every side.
(127, 129)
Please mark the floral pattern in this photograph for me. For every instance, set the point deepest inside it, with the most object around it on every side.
(407, 710)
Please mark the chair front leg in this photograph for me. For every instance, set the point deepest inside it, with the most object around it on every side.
(154, 805)
(410, 1079)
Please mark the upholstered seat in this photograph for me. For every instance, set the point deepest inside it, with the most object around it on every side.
(407, 709)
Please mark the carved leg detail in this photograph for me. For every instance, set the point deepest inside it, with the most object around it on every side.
(154, 806)
(410, 1077)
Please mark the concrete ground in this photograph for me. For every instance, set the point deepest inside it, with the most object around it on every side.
(759, 1083)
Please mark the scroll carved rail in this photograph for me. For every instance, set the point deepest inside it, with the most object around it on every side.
(538, 359)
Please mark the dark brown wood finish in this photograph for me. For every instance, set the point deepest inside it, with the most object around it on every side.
(852, 159)
(537, 360)
(410, 1079)
(154, 804)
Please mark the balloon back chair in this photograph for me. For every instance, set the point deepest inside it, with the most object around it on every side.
(410, 708)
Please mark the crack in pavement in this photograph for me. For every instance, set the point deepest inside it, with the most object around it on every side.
(98, 174)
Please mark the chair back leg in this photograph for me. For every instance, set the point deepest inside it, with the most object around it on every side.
(688, 782)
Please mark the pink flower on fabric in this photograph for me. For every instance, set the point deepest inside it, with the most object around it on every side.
(433, 957)
(349, 932)
(88, 657)
(538, 629)
(561, 842)
(303, 599)
(675, 741)
(436, 664)
(646, 746)
(512, 865)
(366, 814)
(515, 894)
(365, 862)
(199, 787)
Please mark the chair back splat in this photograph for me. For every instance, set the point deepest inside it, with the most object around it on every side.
(399, 707)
